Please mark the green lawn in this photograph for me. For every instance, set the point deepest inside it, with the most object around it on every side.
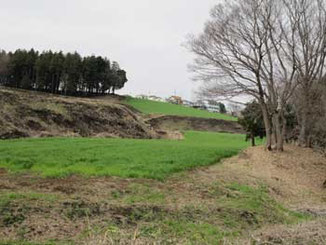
(154, 107)
(157, 159)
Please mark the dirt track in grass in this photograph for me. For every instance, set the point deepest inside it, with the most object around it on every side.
(75, 209)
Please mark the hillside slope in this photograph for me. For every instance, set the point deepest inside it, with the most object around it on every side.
(170, 122)
(163, 108)
(33, 114)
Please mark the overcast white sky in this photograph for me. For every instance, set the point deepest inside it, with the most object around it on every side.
(144, 36)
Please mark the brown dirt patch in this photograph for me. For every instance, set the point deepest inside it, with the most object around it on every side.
(194, 123)
(173, 135)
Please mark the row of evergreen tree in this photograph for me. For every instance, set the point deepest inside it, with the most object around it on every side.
(59, 73)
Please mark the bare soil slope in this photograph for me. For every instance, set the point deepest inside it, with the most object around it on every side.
(194, 123)
(33, 114)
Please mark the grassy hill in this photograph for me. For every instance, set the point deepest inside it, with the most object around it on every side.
(154, 107)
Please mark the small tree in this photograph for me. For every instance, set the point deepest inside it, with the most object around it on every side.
(252, 121)
(222, 108)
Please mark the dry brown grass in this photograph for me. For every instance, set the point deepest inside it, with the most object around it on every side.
(311, 232)
(294, 176)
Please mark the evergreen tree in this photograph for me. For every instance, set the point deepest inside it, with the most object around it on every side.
(72, 73)
(222, 108)
(252, 121)
(4, 61)
(43, 73)
(55, 72)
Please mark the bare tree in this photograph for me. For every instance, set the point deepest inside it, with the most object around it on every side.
(241, 52)
(251, 47)
(307, 19)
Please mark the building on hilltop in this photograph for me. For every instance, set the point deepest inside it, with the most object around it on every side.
(199, 104)
(155, 98)
(188, 103)
(141, 96)
(150, 97)
(209, 105)
(175, 100)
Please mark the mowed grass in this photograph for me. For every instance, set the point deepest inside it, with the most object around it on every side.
(154, 107)
(156, 159)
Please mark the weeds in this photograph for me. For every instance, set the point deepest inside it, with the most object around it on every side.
(10, 215)
(81, 209)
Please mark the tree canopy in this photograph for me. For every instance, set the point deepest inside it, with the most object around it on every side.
(59, 73)
(252, 121)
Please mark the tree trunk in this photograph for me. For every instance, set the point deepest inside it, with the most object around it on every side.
(304, 116)
(284, 128)
(278, 131)
(252, 136)
(303, 137)
(268, 127)
(274, 136)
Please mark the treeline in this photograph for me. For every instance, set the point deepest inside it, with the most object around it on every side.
(59, 73)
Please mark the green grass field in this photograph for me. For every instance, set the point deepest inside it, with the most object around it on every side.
(154, 107)
(156, 159)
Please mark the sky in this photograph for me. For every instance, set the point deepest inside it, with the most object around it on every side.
(146, 37)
